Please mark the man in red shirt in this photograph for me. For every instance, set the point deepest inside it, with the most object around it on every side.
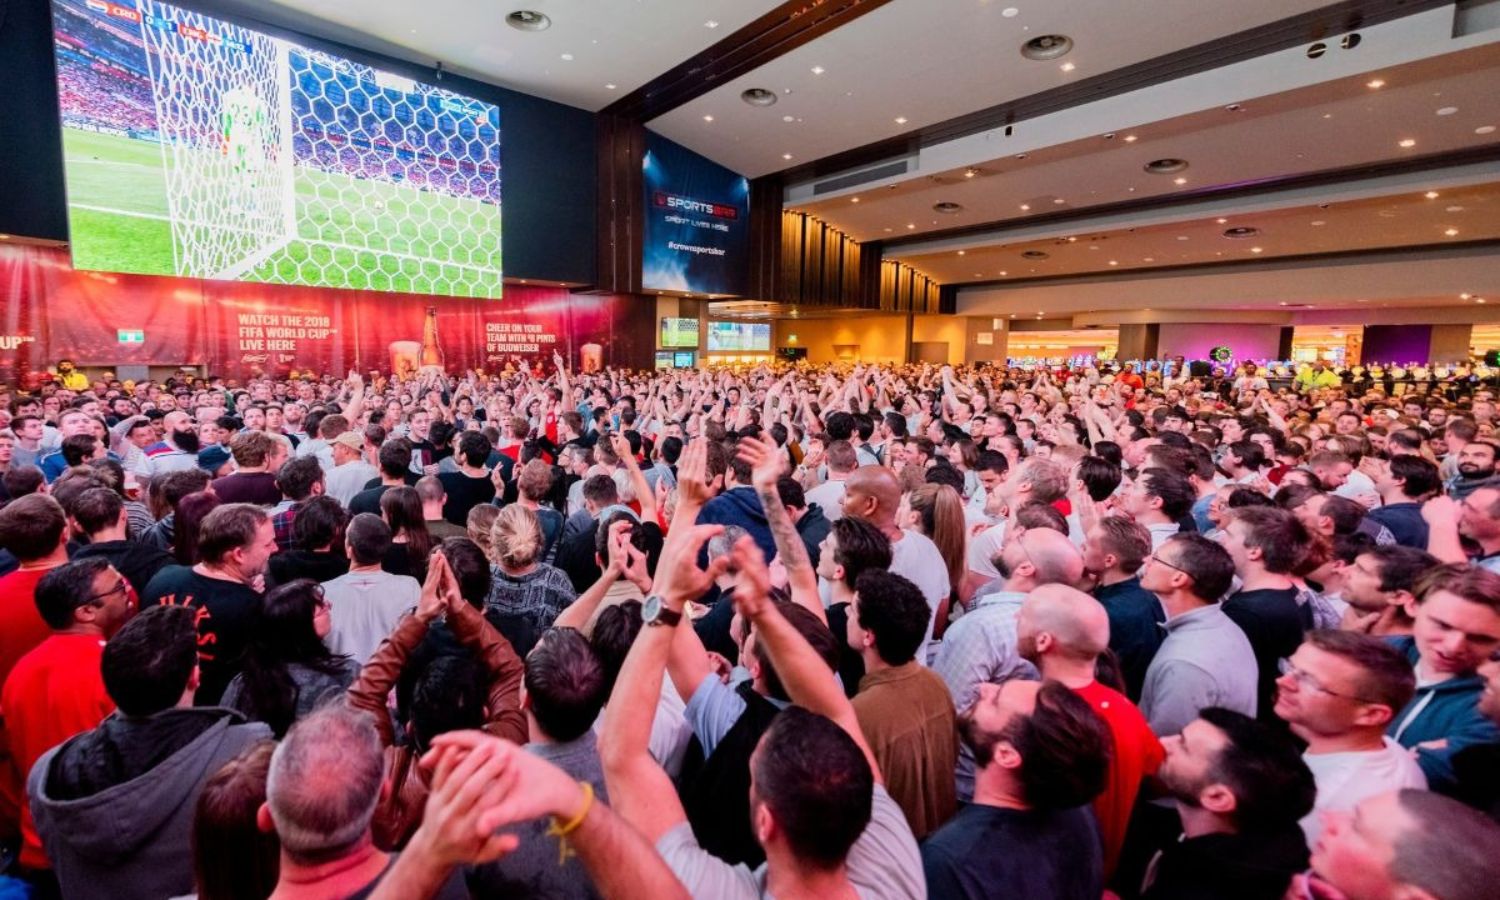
(56, 690)
(34, 528)
(1063, 631)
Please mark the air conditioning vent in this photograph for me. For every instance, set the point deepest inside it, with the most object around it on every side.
(854, 179)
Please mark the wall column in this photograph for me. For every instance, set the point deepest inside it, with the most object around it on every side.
(1138, 341)
(1450, 343)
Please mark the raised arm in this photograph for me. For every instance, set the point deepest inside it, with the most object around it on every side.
(643, 493)
(766, 469)
(624, 562)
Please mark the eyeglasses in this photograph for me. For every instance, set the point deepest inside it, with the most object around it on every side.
(120, 587)
(1306, 681)
(1156, 558)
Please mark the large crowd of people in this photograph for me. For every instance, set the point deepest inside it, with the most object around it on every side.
(853, 630)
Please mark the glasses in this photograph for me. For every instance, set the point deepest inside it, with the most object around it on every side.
(120, 587)
(1156, 558)
(1306, 681)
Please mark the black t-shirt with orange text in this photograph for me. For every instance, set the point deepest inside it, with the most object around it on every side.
(225, 611)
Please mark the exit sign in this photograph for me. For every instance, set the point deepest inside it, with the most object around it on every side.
(130, 336)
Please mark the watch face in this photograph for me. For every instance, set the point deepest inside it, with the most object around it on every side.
(651, 608)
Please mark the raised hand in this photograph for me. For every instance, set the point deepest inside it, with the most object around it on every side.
(765, 459)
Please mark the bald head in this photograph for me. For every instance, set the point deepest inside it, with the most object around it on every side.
(873, 493)
(1077, 622)
(1052, 556)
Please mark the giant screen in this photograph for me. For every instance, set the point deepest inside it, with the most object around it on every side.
(697, 223)
(198, 148)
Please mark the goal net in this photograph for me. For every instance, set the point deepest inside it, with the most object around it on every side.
(224, 116)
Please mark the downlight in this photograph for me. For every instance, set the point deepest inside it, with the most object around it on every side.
(1048, 46)
(947, 208)
(758, 97)
(528, 20)
(1166, 166)
(1036, 254)
(1241, 233)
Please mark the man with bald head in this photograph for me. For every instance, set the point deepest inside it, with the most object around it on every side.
(1063, 631)
(980, 648)
(178, 449)
(872, 493)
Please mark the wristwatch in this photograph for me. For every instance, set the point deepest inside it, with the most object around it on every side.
(654, 611)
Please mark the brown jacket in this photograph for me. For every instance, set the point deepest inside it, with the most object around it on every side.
(404, 793)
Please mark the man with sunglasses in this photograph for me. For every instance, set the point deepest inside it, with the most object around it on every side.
(1338, 693)
(1205, 659)
(56, 690)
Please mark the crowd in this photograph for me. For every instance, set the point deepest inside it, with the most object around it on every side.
(880, 631)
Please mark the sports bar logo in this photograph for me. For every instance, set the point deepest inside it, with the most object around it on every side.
(667, 200)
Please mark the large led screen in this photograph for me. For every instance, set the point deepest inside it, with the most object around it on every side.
(198, 148)
(697, 223)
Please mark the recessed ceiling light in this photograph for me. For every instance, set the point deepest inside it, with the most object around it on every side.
(853, 199)
(1478, 299)
(786, 156)
(961, 253)
(788, 118)
(1025, 207)
(818, 70)
(910, 226)
(970, 173)
(710, 24)
(708, 118)
(1451, 232)
(1282, 303)
(1407, 143)
(1431, 195)
(1455, 209)
(1165, 166)
(1257, 250)
(1072, 239)
(610, 87)
(1179, 181)
(1464, 296)
(1067, 67)
(567, 57)
(1048, 46)
(1009, 12)
(978, 274)
(1221, 220)
(528, 20)
(888, 231)
(1150, 259)
(1447, 110)
(901, 120)
(1114, 262)
(947, 207)
(1058, 201)
(1485, 129)
(1376, 84)
(1182, 237)
(758, 96)
(1318, 223)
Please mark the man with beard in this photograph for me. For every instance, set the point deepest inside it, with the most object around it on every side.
(1476, 469)
(1240, 788)
(1042, 754)
(178, 450)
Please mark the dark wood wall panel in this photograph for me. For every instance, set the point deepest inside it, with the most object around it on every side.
(622, 204)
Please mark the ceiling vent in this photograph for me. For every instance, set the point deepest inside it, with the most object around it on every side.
(1165, 166)
(947, 208)
(758, 97)
(1241, 233)
(1036, 254)
(528, 20)
(864, 176)
(1048, 46)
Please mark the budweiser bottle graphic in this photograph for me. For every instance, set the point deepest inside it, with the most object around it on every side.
(432, 353)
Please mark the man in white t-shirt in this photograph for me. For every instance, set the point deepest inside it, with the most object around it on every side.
(1338, 693)
(842, 461)
(872, 493)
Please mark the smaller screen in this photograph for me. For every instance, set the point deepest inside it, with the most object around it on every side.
(664, 359)
(684, 360)
(679, 332)
(741, 337)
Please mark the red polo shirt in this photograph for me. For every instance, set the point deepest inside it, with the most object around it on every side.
(1137, 754)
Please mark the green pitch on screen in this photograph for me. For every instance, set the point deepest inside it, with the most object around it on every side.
(349, 233)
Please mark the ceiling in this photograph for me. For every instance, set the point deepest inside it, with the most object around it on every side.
(924, 61)
(594, 52)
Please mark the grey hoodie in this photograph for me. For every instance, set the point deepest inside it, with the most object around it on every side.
(131, 838)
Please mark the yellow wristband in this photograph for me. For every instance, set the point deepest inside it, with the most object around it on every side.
(564, 829)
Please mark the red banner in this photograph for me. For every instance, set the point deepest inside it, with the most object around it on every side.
(239, 329)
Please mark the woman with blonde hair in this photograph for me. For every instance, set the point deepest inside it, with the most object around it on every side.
(526, 594)
(936, 511)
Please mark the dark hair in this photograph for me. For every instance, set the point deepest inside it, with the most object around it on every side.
(147, 664)
(190, 535)
(671, 450)
(281, 635)
(1291, 495)
(402, 509)
(1174, 490)
(1470, 583)
(565, 683)
(839, 425)
(1100, 477)
(67, 588)
(97, 509)
(320, 522)
(601, 489)
(449, 695)
(232, 858)
(395, 457)
(368, 537)
(1251, 455)
(470, 568)
(614, 631)
(858, 547)
(1207, 563)
(813, 630)
(1420, 477)
(1263, 767)
(1281, 538)
(22, 481)
(1109, 451)
(1346, 514)
(32, 526)
(78, 449)
(1128, 540)
(1064, 748)
(943, 473)
(817, 784)
(297, 477)
(892, 609)
(1385, 675)
(1245, 497)
(992, 461)
(474, 448)
(742, 470)
(791, 493)
(168, 490)
(1400, 568)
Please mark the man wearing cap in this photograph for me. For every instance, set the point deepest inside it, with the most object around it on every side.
(350, 472)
